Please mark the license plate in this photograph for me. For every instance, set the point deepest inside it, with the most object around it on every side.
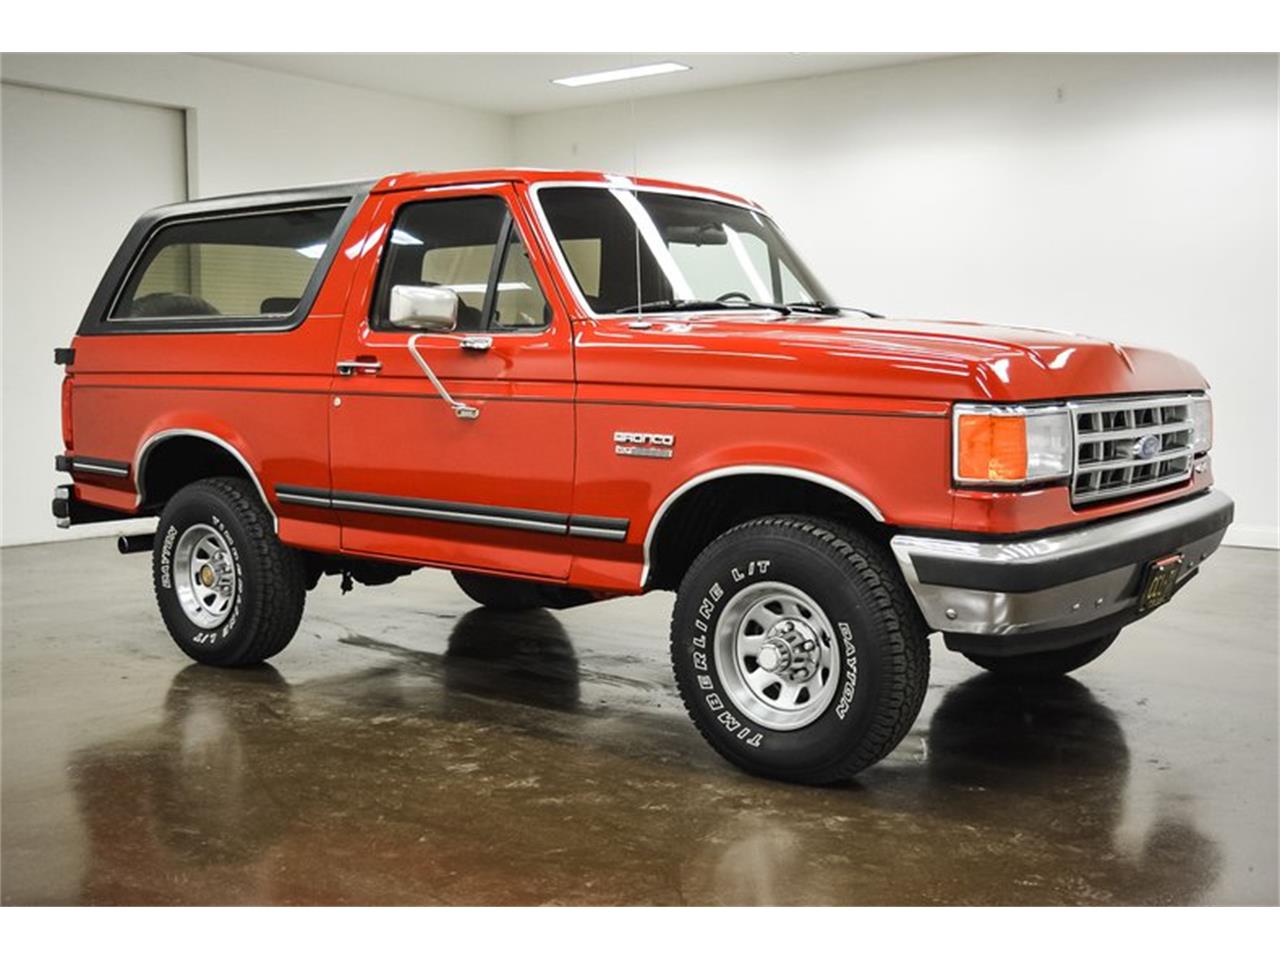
(1158, 581)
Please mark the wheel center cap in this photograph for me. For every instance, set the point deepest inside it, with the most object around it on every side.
(773, 656)
(207, 576)
(790, 650)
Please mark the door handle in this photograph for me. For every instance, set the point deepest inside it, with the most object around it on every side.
(479, 344)
(359, 365)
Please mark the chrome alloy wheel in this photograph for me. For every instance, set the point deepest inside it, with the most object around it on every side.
(777, 656)
(204, 576)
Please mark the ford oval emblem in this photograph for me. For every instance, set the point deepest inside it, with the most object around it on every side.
(1144, 448)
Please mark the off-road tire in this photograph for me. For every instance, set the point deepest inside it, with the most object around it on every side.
(1048, 663)
(883, 669)
(270, 579)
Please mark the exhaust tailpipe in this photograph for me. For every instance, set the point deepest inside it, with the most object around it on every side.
(137, 543)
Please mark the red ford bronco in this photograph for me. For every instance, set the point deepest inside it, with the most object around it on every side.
(567, 386)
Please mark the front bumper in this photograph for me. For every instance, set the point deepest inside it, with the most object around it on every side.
(1057, 589)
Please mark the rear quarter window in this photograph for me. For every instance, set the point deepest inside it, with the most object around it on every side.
(241, 265)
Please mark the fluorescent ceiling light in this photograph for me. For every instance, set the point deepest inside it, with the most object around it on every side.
(627, 73)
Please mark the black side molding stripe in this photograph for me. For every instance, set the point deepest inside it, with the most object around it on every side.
(109, 468)
(538, 521)
(447, 506)
(435, 512)
(604, 523)
(304, 496)
(598, 528)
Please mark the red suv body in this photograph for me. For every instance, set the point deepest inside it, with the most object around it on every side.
(534, 379)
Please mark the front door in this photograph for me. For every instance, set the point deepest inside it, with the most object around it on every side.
(483, 482)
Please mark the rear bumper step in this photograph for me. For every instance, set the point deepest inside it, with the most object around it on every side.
(70, 512)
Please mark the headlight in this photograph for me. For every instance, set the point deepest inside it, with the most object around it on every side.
(1201, 423)
(1010, 445)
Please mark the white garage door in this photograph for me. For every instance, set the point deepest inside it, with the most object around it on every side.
(77, 171)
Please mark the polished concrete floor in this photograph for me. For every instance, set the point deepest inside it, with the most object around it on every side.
(408, 748)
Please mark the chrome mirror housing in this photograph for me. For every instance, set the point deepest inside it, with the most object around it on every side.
(434, 309)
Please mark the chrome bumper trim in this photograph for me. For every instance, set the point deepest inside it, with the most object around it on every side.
(1106, 590)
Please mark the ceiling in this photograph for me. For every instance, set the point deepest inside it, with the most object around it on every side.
(516, 83)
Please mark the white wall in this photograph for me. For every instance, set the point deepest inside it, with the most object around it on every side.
(54, 252)
(74, 178)
(1132, 197)
(253, 129)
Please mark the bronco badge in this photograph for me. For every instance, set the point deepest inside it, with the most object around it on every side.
(659, 445)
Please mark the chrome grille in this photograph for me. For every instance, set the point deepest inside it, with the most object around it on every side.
(1125, 447)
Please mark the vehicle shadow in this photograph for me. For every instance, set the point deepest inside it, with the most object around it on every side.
(518, 657)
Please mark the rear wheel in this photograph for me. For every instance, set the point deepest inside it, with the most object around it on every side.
(797, 650)
(1048, 663)
(229, 591)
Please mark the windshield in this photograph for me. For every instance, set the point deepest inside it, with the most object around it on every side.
(633, 249)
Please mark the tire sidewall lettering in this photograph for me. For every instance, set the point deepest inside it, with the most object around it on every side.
(849, 665)
(703, 667)
(166, 556)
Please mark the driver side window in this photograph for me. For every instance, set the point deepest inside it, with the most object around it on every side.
(468, 245)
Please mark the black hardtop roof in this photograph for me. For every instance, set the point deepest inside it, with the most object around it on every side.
(315, 193)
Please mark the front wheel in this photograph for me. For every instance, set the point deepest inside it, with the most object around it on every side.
(797, 650)
(229, 591)
(1047, 663)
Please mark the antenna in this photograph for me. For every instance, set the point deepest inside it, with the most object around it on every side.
(635, 172)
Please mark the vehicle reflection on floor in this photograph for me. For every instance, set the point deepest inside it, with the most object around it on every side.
(1023, 790)
(508, 769)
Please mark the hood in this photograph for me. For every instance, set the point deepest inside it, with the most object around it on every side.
(936, 360)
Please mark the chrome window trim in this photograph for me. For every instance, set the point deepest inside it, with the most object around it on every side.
(144, 450)
(746, 469)
(488, 189)
(613, 183)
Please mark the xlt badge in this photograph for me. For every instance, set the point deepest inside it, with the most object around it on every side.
(628, 444)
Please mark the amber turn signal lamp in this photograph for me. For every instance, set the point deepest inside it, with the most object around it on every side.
(1011, 444)
(991, 448)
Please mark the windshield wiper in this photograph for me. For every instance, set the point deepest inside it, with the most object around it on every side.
(817, 306)
(669, 306)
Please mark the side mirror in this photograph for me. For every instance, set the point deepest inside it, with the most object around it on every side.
(433, 309)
